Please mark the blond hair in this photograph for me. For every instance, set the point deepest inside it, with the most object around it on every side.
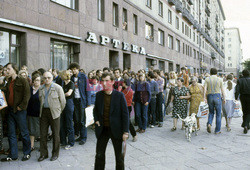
(65, 75)
(172, 75)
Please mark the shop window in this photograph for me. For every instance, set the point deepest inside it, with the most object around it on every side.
(170, 67)
(126, 60)
(162, 65)
(9, 48)
(73, 4)
(178, 68)
(101, 10)
(113, 59)
(149, 31)
(115, 15)
(61, 54)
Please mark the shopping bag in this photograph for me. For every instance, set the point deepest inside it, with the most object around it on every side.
(3, 102)
(237, 110)
(203, 110)
(169, 108)
(89, 115)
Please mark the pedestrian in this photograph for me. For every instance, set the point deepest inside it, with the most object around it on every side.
(196, 92)
(118, 79)
(243, 90)
(112, 121)
(94, 88)
(17, 96)
(82, 99)
(141, 100)
(128, 93)
(185, 76)
(159, 98)
(52, 103)
(57, 79)
(179, 98)
(154, 89)
(66, 119)
(212, 94)
(228, 107)
(33, 110)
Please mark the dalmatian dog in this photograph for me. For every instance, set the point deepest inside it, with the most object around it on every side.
(190, 123)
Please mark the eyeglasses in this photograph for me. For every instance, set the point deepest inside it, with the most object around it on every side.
(47, 78)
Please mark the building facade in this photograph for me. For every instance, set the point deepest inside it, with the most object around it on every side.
(233, 53)
(166, 34)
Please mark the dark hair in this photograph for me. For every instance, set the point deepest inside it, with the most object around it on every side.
(74, 65)
(213, 71)
(132, 73)
(41, 70)
(127, 82)
(106, 68)
(36, 72)
(112, 77)
(151, 75)
(57, 71)
(98, 71)
(157, 71)
(95, 77)
(245, 73)
(14, 66)
(181, 79)
(183, 68)
(120, 71)
(36, 75)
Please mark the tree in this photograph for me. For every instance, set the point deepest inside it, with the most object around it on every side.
(246, 64)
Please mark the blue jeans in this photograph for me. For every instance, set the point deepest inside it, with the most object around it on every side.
(141, 115)
(66, 123)
(214, 103)
(80, 120)
(151, 111)
(159, 113)
(19, 120)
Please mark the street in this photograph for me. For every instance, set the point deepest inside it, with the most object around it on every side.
(157, 149)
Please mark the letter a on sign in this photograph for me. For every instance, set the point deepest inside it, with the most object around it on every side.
(142, 51)
(92, 38)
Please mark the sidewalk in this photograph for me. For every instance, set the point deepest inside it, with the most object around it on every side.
(157, 149)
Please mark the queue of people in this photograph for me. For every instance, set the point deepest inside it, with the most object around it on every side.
(56, 100)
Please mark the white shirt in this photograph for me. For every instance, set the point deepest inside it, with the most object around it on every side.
(229, 95)
(77, 92)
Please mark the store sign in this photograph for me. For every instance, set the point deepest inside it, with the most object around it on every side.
(104, 40)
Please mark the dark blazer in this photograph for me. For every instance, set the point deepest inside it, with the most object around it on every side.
(242, 87)
(84, 89)
(21, 93)
(118, 115)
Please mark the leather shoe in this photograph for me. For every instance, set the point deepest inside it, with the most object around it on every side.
(82, 142)
(245, 130)
(53, 158)
(41, 158)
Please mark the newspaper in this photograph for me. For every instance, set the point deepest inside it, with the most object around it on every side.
(89, 115)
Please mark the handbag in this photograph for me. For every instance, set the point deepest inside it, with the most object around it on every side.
(237, 110)
(203, 110)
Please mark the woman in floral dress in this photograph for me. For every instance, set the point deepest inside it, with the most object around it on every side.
(196, 91)
(179, 98)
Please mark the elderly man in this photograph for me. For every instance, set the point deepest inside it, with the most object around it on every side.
(52, 101)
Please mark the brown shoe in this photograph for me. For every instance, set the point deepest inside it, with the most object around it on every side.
(7, 152)
(142, 131)
(2, 151)
(138, 130)
(209, 128)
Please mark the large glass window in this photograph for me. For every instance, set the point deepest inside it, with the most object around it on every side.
(161, 37)
(9, 48)
(73, 4)
(115, 15)
(61, 55)
(149, 31)
(101, 10)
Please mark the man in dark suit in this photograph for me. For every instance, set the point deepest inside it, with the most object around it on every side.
(243, 89)
(112, 121)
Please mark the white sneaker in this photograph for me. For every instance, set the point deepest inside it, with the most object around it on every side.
(152, 126)
(134, 139)
(68, 147)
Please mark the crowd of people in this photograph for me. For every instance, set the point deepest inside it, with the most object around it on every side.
(55, 101)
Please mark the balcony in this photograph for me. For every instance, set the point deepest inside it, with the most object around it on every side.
(178, 6)
(217, 18)
(187, 16)
(207, 10)
(171, 2)
(191, 2)
(207, 25)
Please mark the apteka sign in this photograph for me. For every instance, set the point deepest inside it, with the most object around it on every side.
(104, 40)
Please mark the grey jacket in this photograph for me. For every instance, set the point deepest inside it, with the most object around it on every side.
(56, 100)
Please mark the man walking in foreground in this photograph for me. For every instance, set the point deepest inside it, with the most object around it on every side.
(111, 121)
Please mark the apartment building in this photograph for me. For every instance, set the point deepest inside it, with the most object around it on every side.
(233, 50)
(166, 34)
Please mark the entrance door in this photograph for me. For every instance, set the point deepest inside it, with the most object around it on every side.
(126, 60)
(113, 59)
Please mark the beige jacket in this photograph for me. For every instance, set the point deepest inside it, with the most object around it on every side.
(56, 100)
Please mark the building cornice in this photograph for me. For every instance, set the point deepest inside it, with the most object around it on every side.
(235, 28)
(221, 8)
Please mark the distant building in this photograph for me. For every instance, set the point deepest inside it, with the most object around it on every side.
(166, 34)
(233, 51)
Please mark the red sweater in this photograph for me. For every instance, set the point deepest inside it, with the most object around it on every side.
(128, 93)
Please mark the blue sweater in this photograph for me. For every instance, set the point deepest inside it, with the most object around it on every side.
(154, 88)
(142, 92)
